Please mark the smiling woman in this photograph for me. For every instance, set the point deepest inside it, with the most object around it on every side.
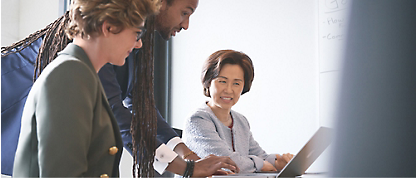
(228, 74)
(227, 87)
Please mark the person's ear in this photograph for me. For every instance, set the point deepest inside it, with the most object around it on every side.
(164, 3)
(106, 28)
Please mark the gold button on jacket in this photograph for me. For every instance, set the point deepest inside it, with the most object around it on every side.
(104, 176)
(113, 150)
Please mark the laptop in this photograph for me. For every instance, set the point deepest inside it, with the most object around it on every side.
(301, 161)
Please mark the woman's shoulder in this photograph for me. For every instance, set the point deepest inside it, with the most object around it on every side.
(68, 70)
(238, 117)
(64, 63)
(202, 112)
(72, 58)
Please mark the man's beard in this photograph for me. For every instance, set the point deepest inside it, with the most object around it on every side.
(165, 34)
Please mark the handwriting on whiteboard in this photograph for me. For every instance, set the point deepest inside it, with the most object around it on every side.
(332, 32)
(332, 15)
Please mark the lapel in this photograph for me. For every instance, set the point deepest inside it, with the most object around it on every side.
(79, 53)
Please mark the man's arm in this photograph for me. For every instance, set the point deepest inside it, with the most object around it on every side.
(165, 134)
(123, 115)
(185, 152)
(204, 167)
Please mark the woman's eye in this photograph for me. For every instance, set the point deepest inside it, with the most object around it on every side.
(236, 83)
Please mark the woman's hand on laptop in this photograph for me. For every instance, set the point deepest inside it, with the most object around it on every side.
(268, 167)
(281, 161)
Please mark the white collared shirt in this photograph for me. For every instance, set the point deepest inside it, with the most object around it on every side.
(164, 154)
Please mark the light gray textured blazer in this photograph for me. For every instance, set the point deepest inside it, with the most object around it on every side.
(205, 134)
(68, 129)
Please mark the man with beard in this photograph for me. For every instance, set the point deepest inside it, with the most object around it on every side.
(118, 85)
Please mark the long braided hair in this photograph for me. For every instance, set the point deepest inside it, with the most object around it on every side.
(55, 40)
(144, 122)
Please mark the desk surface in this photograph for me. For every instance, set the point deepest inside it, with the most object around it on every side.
(270, 175)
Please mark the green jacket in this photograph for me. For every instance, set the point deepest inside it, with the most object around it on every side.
(68, 128)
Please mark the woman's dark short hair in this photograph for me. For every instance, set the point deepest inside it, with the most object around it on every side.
(217, 60)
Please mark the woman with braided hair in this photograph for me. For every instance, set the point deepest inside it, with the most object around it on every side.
(68, 128)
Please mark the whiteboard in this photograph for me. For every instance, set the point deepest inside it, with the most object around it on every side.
(332, 25)
(331, 33)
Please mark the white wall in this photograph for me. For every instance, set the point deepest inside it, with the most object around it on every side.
(9, 24)
(281, 37)
(20, 18)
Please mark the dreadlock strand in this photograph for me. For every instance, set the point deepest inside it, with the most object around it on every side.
(22, 44)
(55, 40)
(144, 122)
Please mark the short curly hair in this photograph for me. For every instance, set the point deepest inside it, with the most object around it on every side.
(87, 16)
(217, 60)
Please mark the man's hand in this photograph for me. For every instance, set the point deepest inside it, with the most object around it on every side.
(212, 165)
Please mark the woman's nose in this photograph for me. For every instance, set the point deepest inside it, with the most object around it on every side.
(138, 44)
(228, 88)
